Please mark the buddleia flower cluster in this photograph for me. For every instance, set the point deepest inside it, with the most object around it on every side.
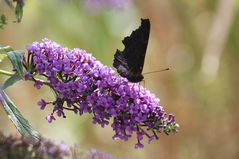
(115, 4)
(84, 85)
(14, 147)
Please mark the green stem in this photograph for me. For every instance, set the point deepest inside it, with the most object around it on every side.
(6, 48)
(7, 73)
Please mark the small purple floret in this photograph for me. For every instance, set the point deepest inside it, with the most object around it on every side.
(42, 104)
(26, 76)
(38, 84)
(50, 118)
(139, 145)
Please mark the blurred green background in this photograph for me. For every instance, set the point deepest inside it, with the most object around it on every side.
(198, 40)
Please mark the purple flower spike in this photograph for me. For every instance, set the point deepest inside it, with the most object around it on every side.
(84, 85)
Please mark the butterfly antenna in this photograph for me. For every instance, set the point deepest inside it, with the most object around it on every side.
(166, 69)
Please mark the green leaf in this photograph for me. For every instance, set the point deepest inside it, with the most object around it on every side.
(19, 11)
(3, 52)
(3, 20)
(18, 120)
(10, 81)
(2, 57)
(5, 49)
(16, 58)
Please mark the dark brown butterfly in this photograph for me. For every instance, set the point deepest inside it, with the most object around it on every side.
(130, 62)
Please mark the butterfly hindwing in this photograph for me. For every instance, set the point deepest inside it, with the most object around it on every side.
(129, 62)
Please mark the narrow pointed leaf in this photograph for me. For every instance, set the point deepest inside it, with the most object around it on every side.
(18, 120)
(16, 58)
(19, 11)
(10, 81)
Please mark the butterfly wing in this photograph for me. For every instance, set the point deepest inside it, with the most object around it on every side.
(129, 62)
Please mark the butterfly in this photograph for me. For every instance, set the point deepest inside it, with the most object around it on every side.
(130, 62)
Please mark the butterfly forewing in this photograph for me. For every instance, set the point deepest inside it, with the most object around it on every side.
(129, 62)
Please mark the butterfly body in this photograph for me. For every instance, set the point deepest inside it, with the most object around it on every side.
(129, 62)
